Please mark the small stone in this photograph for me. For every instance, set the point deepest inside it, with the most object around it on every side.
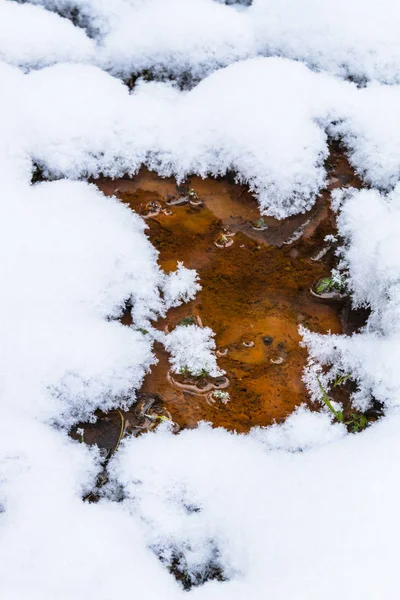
(267, 339)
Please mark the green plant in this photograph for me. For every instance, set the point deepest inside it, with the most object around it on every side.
(357, 421)
(260, 223)
(204, 373)
(325, 398)
(159, 417)
(144, 331)
(334, 283)
(184, 370)
(187, 321)
(341, 379)
(122, 431)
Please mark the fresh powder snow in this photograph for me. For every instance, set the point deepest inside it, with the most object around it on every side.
(301, 509)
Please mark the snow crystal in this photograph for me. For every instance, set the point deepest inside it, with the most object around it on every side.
(181, 286)
(191, 349)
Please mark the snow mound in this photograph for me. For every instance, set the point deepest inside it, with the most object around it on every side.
(175, 37)
(71, 258)
(369, 222)
(191, 350)
(278, 147)
(270, 520)
(367, 129)
(357, 39)
(82, 122)
(32, 37)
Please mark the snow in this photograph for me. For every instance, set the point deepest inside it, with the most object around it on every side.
(296, 510)
(280, 524)
(183, 133)
(369, 224)
(278, 148)
(357, 39)
(191, 348)
(32, 37)
(367, 130)
(181, 285)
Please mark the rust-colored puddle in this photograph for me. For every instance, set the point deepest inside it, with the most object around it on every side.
(255, 292)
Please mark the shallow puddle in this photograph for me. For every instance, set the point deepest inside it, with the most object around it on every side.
(255, 291)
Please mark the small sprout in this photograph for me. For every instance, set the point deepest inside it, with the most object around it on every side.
(260, 224)
(81, 432)
(186, 321)
(184, 370)
(328, 284)
(324, 285)
(224, 397)
(341, 379)
(151, 209)
(194, 199)
(223, 240)
(325, 398)
(122, 431)
(143, 331)
(204, 373)
(159, 417)
(357, 421)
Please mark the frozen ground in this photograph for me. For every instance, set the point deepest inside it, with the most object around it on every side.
(301, 510)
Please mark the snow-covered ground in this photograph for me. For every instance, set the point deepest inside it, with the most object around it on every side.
(299, 510)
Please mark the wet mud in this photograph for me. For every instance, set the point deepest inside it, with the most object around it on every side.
(256, 277)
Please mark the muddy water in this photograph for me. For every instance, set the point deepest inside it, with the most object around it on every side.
(255, 292)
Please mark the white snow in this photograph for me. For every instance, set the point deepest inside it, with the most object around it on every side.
(282, 525)
(191, 349)
(278, 147)
(180, 286)
(298, 510)
(32, 37)
(357, 39)
(369, 223)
